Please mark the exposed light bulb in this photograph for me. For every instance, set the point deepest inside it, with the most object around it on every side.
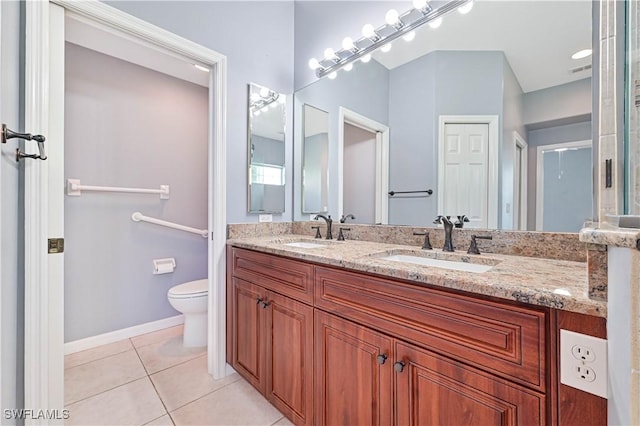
(347, 44)
(581, 54)
(332, 75)
(329, 54)
(264, 92)
(368, 31)
(392, 17)
(254, 97)
(385, 48)
(409, 36)
(348, 67)
(314, 64)
(419, 4)
(436, 22)
(466, 8)
(366, 58)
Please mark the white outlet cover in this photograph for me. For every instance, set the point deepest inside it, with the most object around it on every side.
(571, 366)
(265, 218)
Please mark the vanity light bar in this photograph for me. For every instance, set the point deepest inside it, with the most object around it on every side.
(384, 35)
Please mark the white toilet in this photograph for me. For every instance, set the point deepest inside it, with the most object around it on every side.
(191, 299)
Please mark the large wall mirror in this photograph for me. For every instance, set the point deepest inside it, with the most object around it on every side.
(266, 189)
(468, 105)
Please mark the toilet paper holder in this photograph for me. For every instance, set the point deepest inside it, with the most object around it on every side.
(163, 266)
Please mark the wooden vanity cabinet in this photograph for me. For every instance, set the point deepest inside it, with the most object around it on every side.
(270, 337)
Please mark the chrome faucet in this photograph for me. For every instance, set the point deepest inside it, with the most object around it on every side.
(448, 230)
(329, 221)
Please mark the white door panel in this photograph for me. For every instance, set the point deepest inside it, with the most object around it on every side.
(466, 162)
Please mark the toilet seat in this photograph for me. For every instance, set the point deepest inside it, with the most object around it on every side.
(198, 288)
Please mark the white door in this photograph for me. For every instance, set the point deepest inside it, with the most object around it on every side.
(464, 189)
(44, 188)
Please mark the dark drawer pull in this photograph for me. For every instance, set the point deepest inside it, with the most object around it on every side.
(399, 366)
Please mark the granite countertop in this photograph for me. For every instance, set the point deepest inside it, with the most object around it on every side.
(557, 284)
(610, 235)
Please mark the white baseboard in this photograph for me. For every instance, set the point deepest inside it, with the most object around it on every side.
(125, 333)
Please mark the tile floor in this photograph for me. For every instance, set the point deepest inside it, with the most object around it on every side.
(153, 380)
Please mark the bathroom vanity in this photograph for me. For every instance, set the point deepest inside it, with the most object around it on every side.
(341, 333)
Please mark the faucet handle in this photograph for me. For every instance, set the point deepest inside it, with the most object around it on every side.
(341, 235)
(473, 247)
(427, 243)
(318, 234)
(344, 217)
(461, 221)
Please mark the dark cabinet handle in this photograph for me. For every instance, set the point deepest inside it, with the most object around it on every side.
(264, 304)
(399, 366)
(258, 300)
(382, 358)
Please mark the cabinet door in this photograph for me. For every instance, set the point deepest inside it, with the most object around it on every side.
(433, 390)
(354, 386)
(290, 357)
(248, 332)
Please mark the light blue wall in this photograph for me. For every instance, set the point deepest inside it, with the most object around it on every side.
(257, 38)
(558, 103)
(365, 92)
(112, 138)
(12, 249)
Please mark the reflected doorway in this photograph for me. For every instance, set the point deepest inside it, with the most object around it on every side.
(363, 159)
(564, 173)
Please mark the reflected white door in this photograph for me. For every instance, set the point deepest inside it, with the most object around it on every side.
(466, 170)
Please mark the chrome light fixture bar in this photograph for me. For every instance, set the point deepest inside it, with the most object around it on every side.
(383, 35)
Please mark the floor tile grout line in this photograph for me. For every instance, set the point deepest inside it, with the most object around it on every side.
(142, 362)
(281, 418)
(154, 342)
(105, 391)
(174, 365)
(206, 394)
(97, 359)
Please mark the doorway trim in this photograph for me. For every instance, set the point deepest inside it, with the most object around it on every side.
(520, 143)
(44, 321)
(382, 160)
(494, 154)
(540, 173)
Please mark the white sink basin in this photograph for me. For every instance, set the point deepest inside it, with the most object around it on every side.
(438, 263)
(304, 244)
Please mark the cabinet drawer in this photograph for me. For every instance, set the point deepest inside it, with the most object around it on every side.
(284, 276)
(506, 340)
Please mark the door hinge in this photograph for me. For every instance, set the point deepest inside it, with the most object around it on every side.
(56, 245)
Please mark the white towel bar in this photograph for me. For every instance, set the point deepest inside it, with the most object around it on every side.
(74, 188)
(137, 217)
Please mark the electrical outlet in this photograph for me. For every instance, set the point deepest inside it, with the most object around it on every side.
(265, 218)
(583, 362)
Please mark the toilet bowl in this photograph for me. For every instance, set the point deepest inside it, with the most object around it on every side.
(191, 299)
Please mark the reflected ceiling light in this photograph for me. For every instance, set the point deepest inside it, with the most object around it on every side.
(254, 97)
(581, 54)
(282, 99)
(466, 8)
(332, 75)
(201, 68)
(264, 109)
(396, 25)
(436, 22)
(264, 92)
(256, 113)
(409, 36)
(314, 64)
